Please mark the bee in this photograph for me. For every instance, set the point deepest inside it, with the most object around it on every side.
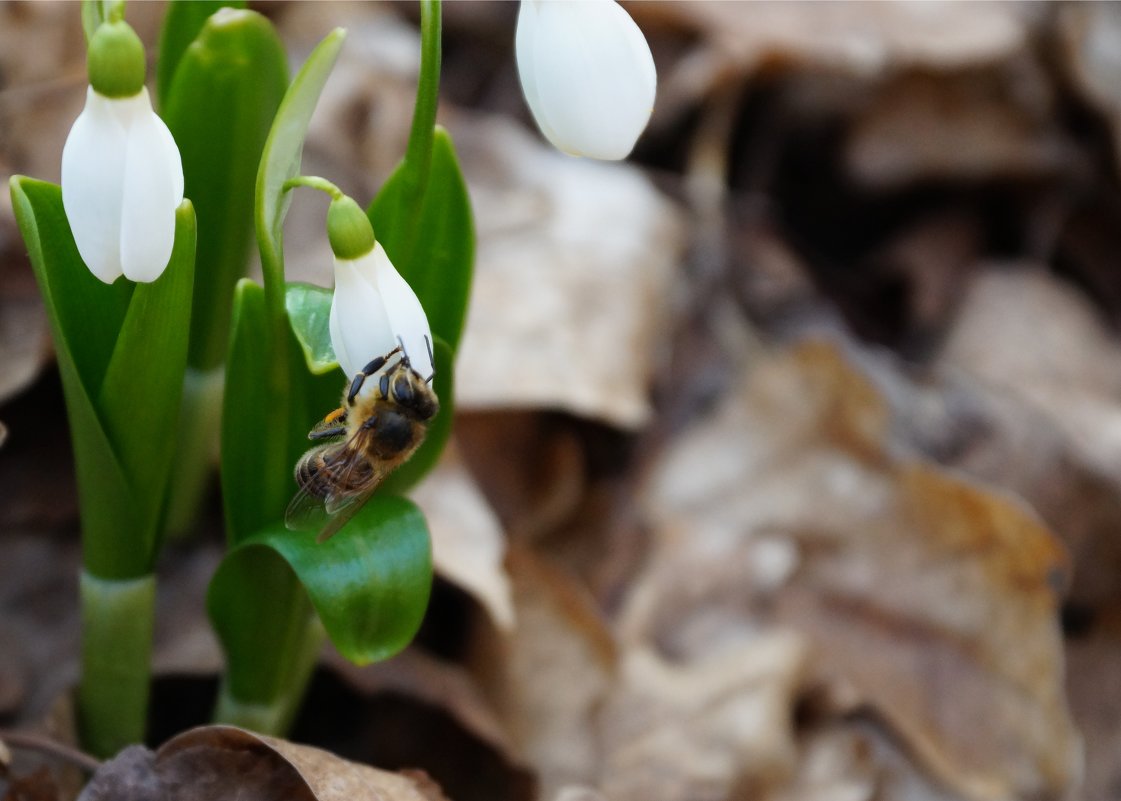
(383, 419)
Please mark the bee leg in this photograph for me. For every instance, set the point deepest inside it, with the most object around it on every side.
(327, 433)
(370, 422)
(366, 372)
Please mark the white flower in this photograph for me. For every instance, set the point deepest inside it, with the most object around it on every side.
(122, 180)
(372, 307)
(587, 74)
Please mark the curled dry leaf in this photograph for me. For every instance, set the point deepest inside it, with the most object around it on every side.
(970, 126)
(468, 544)
(842, 39)
(224, 762)
(1090, 34)
(571, 278)
(929, 599)
(715, 727)
(551, 674)
(1047, 375)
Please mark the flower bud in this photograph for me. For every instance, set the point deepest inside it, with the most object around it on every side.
(116, 61)
(348, 229)
(587, 75)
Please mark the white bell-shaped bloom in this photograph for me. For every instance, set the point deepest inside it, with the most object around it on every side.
(371, 309)
(587, 74)
(122, 180)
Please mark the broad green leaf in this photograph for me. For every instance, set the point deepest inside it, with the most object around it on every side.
(87, 310)
(283, 151)
(181, 24)
(369, 585)
(139, 397)
(86, 316)
(433, 247)
(309, 314)
(219, 107)
(255, 421)
(421, 462)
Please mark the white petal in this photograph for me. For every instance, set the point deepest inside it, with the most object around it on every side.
(587, 74)
(358, 324)
(406, 316)
(153, 189)
(93, 161)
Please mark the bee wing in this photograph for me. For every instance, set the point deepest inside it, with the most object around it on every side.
(342, 507)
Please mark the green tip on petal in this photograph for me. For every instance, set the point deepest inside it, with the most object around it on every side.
(116, 60)
(348, 229)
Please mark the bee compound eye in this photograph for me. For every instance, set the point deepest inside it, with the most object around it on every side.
(402, 392)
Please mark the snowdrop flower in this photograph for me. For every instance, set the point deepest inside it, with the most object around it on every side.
(373, 307)
(122, 177)
(587, 74)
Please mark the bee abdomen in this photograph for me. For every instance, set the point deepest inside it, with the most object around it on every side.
(313, 474)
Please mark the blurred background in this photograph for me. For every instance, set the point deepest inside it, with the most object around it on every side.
(788, 455)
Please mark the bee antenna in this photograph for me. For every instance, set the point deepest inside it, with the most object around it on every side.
(404, 353)
(431, 359)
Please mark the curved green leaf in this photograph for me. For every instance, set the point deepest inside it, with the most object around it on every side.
(369, 585)
(255, 478)
(181, 24)
(219, 107)
(143, 386)
(280, 160)
(121, 351)
(433, 247)
(309, 314)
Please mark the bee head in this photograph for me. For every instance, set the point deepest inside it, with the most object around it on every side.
(408, 390)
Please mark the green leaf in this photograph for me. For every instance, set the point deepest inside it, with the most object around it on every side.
(433, 247)
(309, 313)
(280, 160)
(121, 351)
(140, 395)
(439, 430)
(95, 12)
(255, 484)
(369, 585)
(181, 24)
(219, 108)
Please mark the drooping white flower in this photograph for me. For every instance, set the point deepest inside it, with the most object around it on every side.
(371, 309)
(122, 176)
(587, 74)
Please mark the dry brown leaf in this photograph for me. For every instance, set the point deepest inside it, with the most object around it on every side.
(224, 762)
(969, 126)
(855, 39)
(1048, 407)
(24, 343)
(714, 727)
(932, 600)
(1094, 689)
(572, 274)
(554, 671)
(468, 544)
(856, 760)
(1090, 35)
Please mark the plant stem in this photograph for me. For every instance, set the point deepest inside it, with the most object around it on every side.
(200, 419)
(275, 717)
(117, 618)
